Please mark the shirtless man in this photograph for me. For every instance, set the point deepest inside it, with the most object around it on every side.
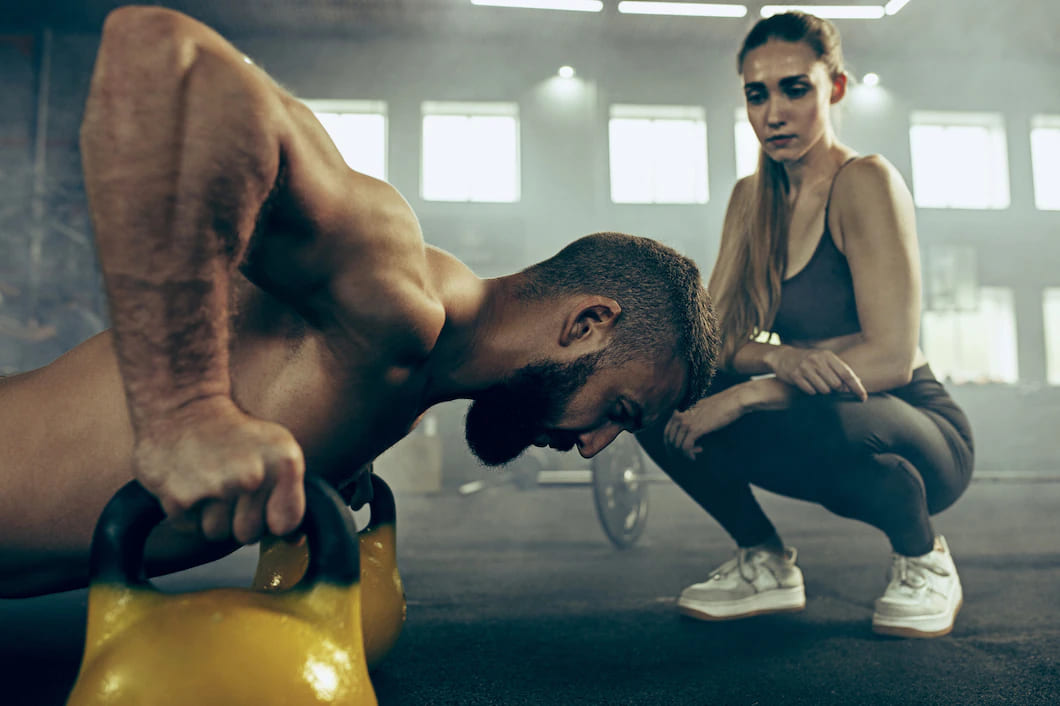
(275, 311)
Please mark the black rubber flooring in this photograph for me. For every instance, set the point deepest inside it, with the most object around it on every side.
(516, 597)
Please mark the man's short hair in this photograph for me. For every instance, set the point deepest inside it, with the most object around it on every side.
(665, 307)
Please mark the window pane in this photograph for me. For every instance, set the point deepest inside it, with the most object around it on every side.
(968, 184)
(631, 161)
(470, 152)
(680, 166)
(959, 160)
(358, 129)
(446, 171)
(974, 346)
(1051, 308)
(930, 153)
(493, 153)
(1045, 156)
(658, 154)
(360, 138)
(747, 146)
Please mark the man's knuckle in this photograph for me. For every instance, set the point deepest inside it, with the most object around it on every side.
(250, 476)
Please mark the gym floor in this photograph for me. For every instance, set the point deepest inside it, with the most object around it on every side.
(516, 597)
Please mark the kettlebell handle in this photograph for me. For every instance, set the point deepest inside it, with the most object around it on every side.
(128, 518)
(384, 510)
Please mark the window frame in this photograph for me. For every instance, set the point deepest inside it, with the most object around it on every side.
(657, 113)
(471, 110)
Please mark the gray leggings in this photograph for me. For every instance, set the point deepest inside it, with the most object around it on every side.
(891, 461)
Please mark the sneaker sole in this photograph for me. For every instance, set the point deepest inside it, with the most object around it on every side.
(790, 600)
(933, 626)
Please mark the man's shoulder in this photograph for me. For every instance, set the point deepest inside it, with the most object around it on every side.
(388, 301)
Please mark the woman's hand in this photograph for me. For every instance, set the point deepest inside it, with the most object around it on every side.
(709, 414)
(815, 371)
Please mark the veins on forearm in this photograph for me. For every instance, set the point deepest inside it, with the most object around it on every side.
(171, 344)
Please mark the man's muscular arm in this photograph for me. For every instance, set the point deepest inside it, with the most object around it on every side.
(181, 144)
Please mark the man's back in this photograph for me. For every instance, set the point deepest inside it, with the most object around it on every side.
(67, 441)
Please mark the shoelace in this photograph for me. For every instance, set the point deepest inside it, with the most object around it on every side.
(742, 563)
(915, 578)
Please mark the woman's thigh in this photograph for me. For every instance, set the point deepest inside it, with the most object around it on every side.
(829, 440)
(819, 442)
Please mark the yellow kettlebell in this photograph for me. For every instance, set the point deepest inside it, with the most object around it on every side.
(228, 646)
(281, 563)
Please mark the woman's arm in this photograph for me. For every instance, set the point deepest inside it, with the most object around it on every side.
(876, 221)
(722, 409)
(873, 216)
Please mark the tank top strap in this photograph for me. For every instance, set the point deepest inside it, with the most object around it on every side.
(831, 188)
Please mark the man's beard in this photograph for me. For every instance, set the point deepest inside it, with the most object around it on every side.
(506, 418)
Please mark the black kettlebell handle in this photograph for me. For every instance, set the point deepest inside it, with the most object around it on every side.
(128, 518)
(384, 510)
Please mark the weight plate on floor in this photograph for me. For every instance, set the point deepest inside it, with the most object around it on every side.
(621, 491)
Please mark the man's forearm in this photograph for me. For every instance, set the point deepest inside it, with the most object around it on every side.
(174, 187)
(765, 394)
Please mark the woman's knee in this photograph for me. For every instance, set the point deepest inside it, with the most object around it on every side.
(876, 487)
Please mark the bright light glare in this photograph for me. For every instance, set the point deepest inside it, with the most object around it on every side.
(470, 158)
(658, 161)
(566, 71)
(1051, 307)
(959, 162)
(747, 145)
(832, 12)
(974, 346)
(360, 139)
(871, 79)
(569, 5)
(1045, 161)
(686, 9)
(894, 6)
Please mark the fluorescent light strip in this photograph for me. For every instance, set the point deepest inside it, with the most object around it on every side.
(894, 6)
(568, 5)
(684, 9)
(832, 12)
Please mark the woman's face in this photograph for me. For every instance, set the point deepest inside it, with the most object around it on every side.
(788, 91)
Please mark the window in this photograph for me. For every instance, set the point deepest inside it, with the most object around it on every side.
(470, 152)
(959, 160)
(658, 154)
(358, 129)
(1051, 309)
(977, 345)
(747, 147)
(1045, 158)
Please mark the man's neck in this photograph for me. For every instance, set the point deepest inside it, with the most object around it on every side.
(489, 333)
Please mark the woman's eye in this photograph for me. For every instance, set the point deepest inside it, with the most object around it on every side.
(755, 98)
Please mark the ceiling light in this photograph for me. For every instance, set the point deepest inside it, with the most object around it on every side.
(894, 6)
(871, 79)
(684, 9)
(569, 5)
(832, 12)
(566, 72)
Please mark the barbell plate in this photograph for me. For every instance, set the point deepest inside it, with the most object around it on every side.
(620, 490)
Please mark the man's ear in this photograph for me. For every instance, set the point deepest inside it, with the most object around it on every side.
(839, 88)
(588, 316)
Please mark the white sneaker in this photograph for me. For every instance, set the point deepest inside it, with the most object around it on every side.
(923, 596)
(754, 582)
